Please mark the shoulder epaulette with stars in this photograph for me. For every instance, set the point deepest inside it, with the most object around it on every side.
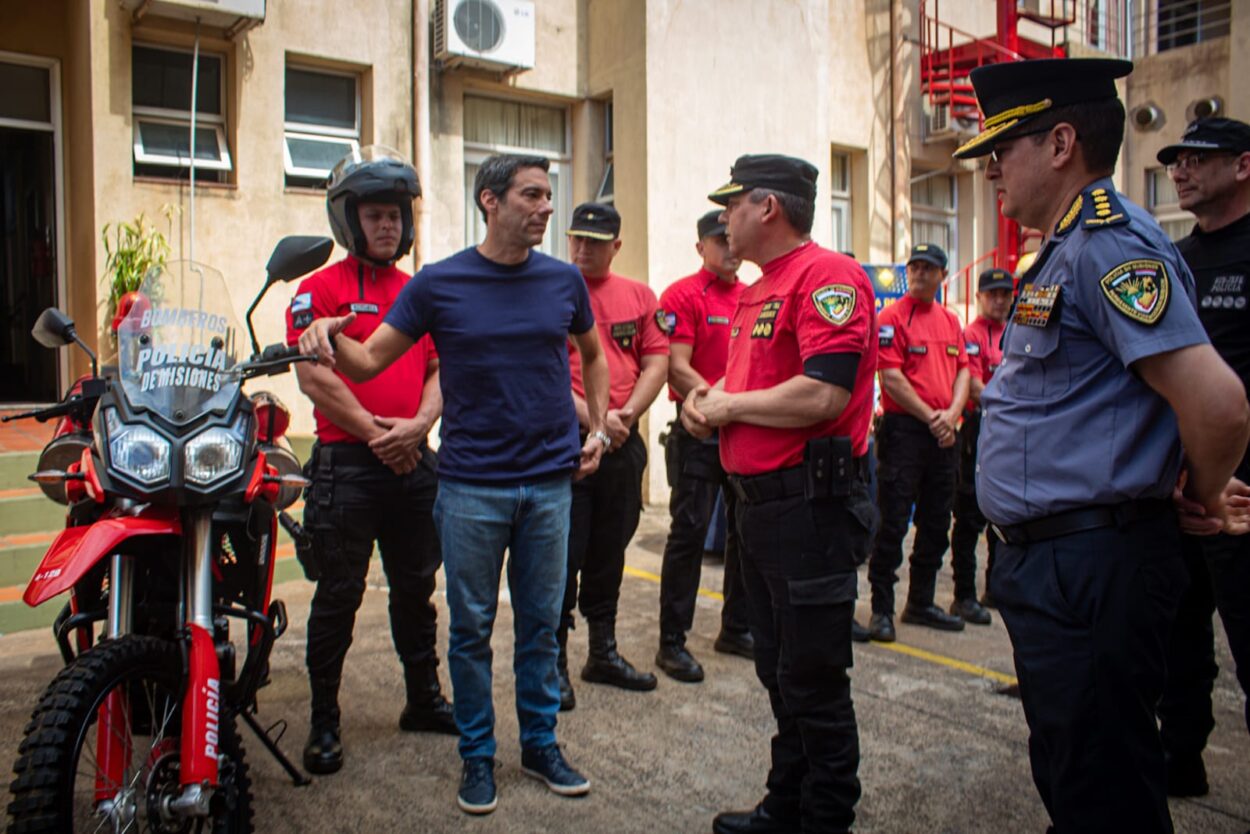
(1102, 208)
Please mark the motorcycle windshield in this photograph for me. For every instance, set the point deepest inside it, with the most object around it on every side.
(178, 342)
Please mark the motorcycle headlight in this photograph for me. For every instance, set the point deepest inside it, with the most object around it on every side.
(136, 451)
(214, 454)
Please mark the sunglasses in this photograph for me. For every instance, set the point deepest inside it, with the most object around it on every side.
(996, 155)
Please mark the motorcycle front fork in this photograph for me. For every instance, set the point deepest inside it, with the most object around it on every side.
(201, 706)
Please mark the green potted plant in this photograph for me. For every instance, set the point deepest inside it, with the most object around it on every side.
(133, 249)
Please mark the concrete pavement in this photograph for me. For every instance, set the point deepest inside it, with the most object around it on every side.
(941, 750)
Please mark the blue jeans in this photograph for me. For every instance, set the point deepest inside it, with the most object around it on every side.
(475, 525)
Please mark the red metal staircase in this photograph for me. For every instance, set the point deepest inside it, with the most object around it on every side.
(948, 55)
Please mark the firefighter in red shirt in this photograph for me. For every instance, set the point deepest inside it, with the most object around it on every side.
(924, 384)
(697, 313)
(608, 503)
(983, 341)
(793, 412)
(373, 476)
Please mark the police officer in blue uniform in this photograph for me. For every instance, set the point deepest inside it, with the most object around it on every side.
(1106, 372)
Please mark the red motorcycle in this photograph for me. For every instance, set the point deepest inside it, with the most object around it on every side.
(175, 481)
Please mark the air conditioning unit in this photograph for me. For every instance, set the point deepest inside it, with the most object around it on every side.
(937, 122)
(486, 34)
(233, 16)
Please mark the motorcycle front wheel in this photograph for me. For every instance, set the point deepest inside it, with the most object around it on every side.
(61, 784)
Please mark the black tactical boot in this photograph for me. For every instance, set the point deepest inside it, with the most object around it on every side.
(605, 665)
(568, 698)
(427, 711)
(676, 662)
(323, 754)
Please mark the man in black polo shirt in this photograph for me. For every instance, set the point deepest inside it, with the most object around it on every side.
(1211, 169)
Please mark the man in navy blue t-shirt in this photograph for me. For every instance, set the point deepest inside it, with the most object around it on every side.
(501, 315)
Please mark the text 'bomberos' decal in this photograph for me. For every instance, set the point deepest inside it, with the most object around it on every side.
(182, 317)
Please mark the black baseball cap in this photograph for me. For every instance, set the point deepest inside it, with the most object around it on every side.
(1013, 94)
(597, 221)
(995, 279)
(929, 253)
(1210, 134)
(786, 174)
(709, 224)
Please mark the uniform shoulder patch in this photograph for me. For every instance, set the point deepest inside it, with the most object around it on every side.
(665, 321)
(1102, 208)
(1138, 289)
(835, 303)
(972, 348)
(885, 335)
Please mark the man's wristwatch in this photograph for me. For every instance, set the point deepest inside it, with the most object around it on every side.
(602, 437)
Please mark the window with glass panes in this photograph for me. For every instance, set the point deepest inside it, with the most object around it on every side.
(607, 186)
(322, 123)
(161, 104)
(934, 210)
(494, 126)
(1164, 204)
(840, 202)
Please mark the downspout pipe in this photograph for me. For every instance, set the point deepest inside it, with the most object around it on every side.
(422, 155)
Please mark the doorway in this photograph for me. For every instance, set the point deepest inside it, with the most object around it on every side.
(28, 232)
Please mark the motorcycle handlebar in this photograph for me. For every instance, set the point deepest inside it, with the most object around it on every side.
(42, 415)
(274, 360)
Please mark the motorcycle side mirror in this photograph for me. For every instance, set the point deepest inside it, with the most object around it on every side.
(294, 256)
(53, 329)
(297, 255)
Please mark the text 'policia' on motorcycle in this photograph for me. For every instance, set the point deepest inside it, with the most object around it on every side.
(195, 366)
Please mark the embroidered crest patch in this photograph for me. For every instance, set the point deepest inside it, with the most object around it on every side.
(1138, 289)
(835, 303)
(666, 322)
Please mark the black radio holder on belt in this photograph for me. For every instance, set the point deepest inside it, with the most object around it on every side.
(829, 467)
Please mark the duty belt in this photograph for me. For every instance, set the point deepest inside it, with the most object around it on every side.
(1081, 521)
(781, 483)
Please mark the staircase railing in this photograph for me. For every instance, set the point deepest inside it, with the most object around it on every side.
(937, 59)
(964, 278)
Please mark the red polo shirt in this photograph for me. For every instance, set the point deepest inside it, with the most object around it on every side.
(809, 302)
(354, 286)
(697, 311)
(626, 313)
(983, 342)
(926, 341)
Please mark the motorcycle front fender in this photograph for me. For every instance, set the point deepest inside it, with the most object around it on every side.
(77, 549)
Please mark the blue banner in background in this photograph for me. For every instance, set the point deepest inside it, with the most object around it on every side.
(889, 283)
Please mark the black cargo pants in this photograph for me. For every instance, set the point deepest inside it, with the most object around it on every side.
(799, 557)
(695, 475)
(354, 501)
(911, 469)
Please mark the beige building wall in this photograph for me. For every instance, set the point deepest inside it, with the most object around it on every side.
(237, 223)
